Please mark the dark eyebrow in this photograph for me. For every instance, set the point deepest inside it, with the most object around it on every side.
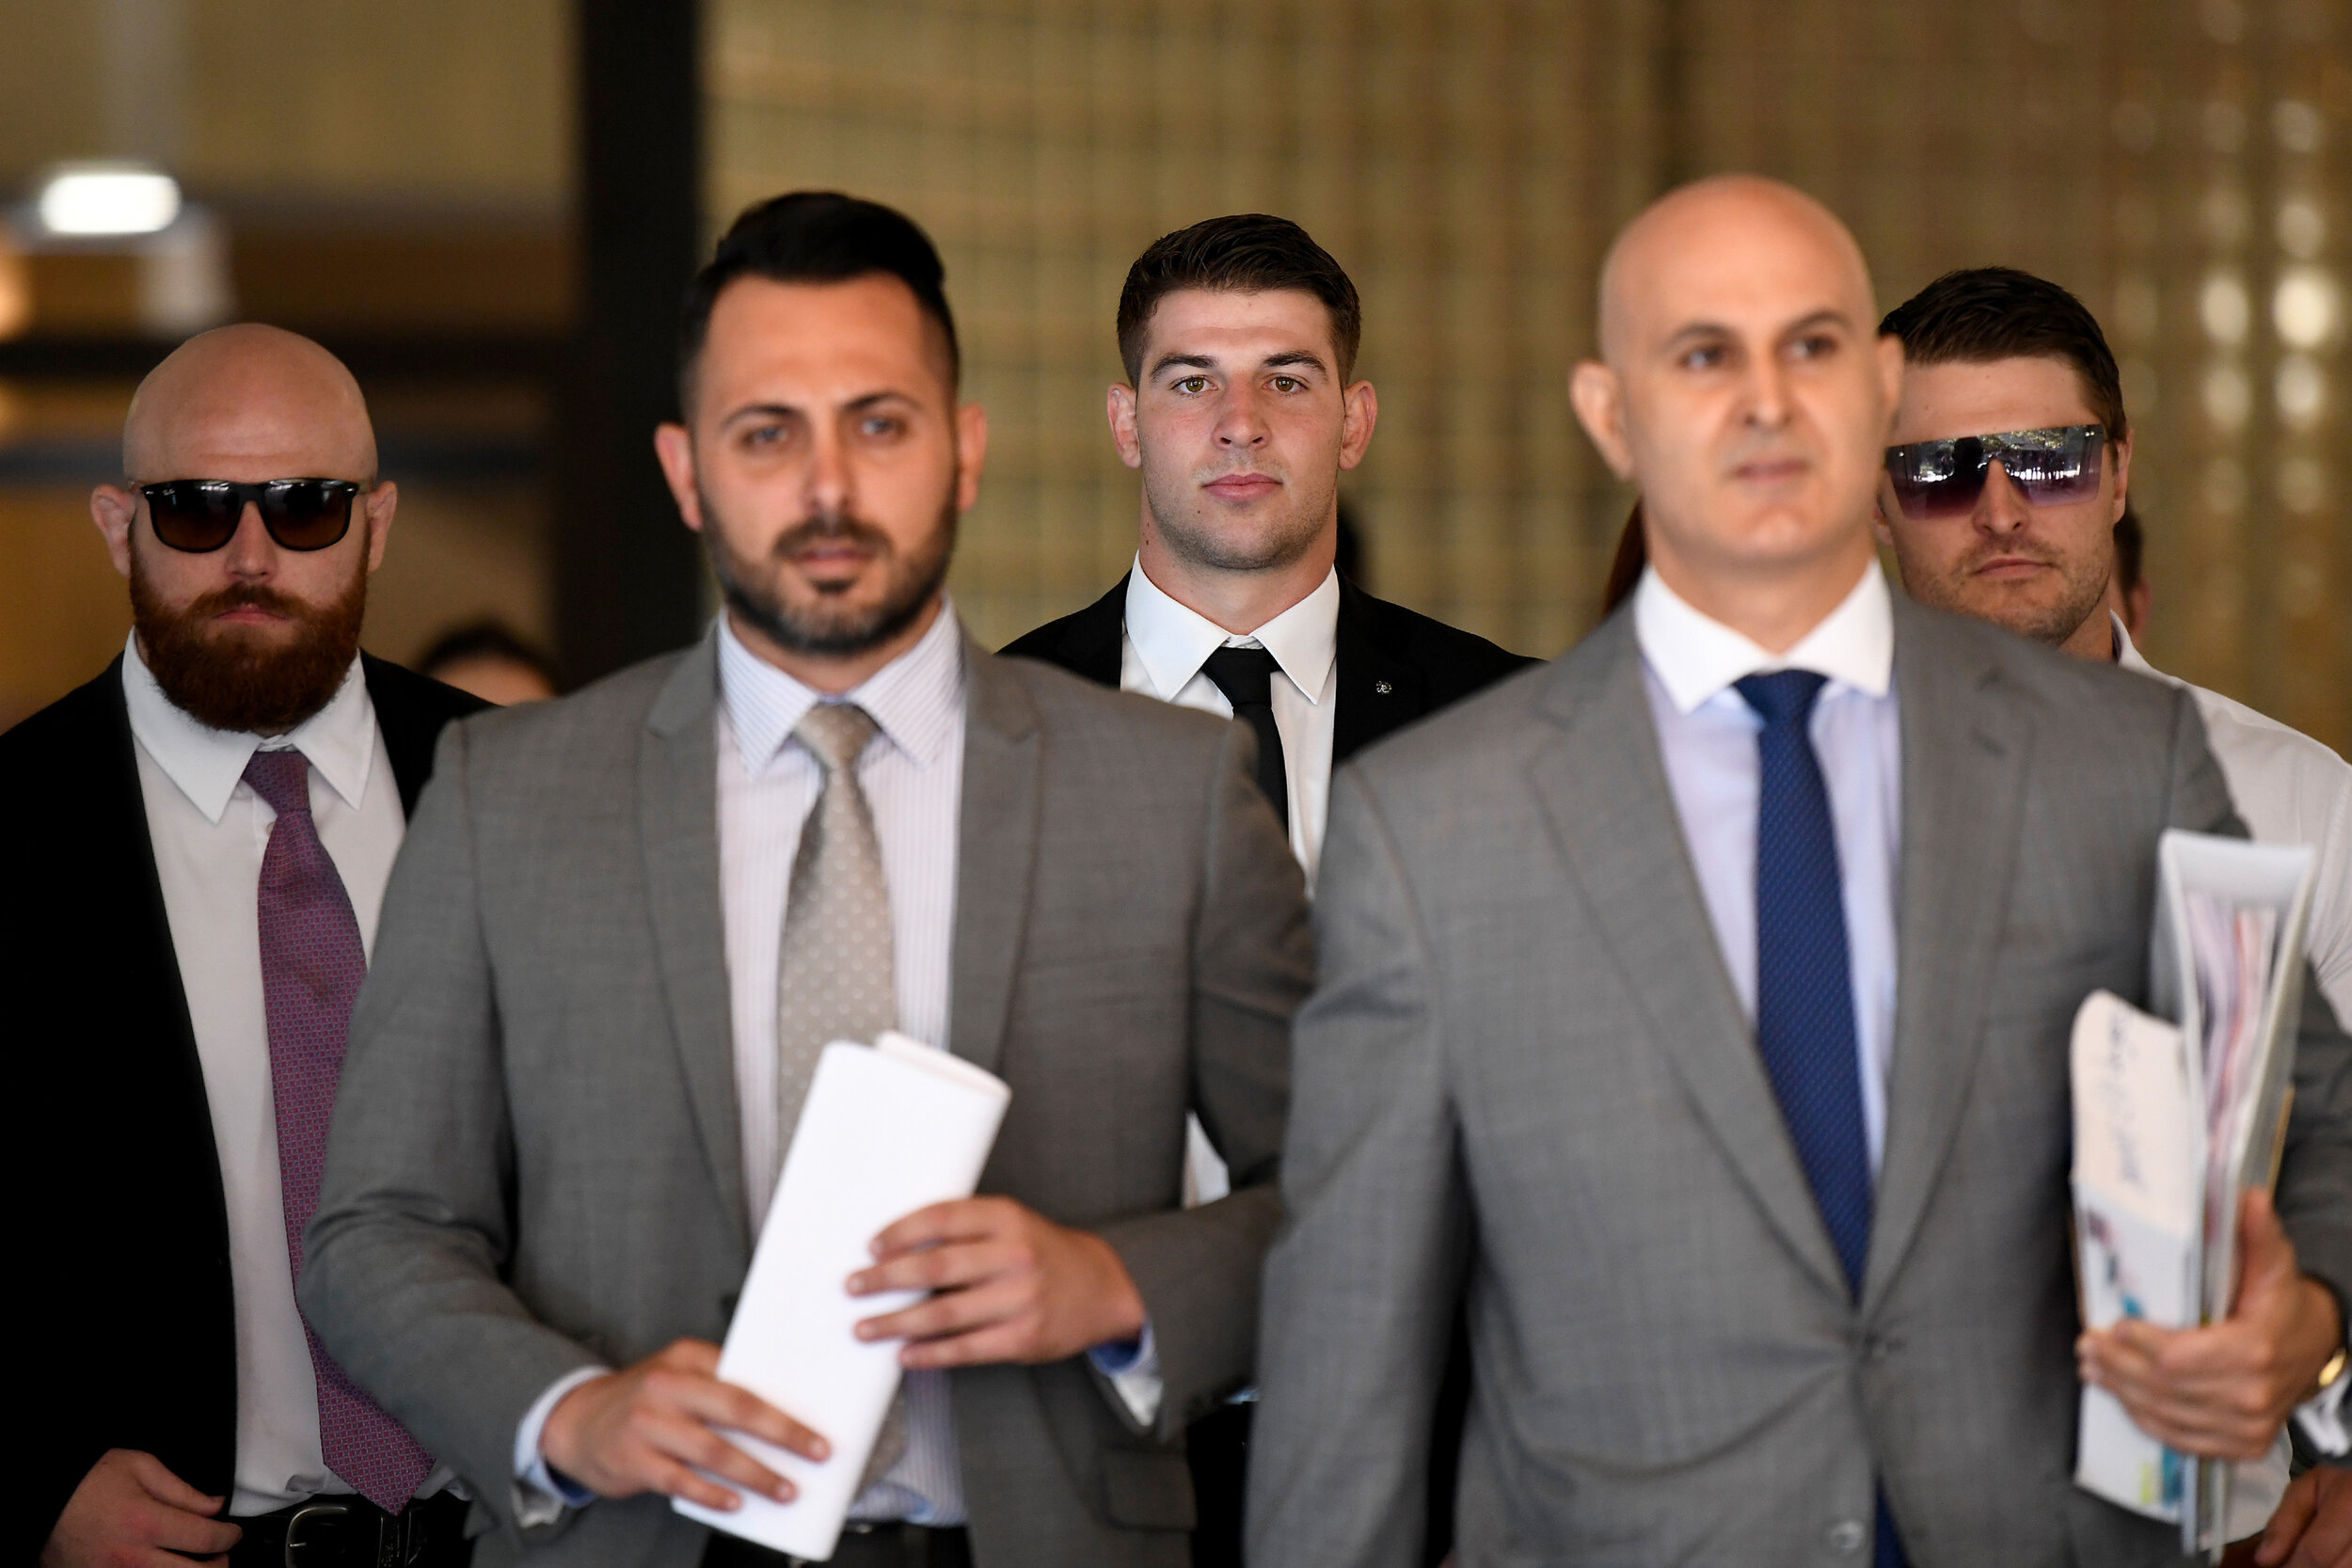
(1294, 357)
(786, 411)
(1181, 361)
(1819, 318)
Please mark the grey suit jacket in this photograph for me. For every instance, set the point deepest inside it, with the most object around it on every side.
(534, 1162)
(1525, 1074)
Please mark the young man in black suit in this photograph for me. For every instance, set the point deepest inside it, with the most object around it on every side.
(1241, 410)
(197, 949)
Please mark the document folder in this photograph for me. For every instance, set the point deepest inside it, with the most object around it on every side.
(886, 1130)
(2176, 1116)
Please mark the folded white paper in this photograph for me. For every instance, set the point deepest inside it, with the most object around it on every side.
(2138, 1158)
(886, 1130)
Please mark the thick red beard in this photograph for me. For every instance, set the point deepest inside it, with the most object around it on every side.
(229, 681)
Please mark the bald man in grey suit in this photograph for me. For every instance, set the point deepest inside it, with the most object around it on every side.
(1698, 1007)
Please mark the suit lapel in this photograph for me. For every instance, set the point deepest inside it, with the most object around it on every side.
(1376, 692)
(677, 781)
(1090, 645)
(1964, 751)
(995, 852)
(1602, 784)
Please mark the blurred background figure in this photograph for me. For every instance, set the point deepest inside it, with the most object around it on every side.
(489, 661)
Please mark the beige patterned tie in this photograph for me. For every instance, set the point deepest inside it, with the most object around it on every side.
(833, 981)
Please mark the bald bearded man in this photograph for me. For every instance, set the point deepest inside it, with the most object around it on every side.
(1697, 1009)
(204, 835)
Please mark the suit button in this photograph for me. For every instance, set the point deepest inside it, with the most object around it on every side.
(1845, 1537)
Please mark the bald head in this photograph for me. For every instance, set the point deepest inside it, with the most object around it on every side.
(251, 403)
(1744, 389)
(1720, 238)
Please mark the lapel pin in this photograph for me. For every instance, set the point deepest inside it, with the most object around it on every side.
(1382, 687)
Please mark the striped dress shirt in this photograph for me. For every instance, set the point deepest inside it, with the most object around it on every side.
(913, 776)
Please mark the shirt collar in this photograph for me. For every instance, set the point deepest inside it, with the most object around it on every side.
(1173, 641)
(339, 739)
(2126, 653)
(1695, 655)
(913, 699)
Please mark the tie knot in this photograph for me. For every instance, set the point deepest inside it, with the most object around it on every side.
(1782, 697)
(282, 779)
(1245, 675)
(837, 732)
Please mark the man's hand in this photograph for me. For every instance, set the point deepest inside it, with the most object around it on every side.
(2223, 1391)
(649, 1428)
(131, 1511)
(1012, 1286)
(2313, 1523)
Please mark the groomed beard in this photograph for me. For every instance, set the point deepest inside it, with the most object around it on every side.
(226, 679)
(831, 627)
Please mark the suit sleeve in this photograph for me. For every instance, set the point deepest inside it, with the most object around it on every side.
(2314, 1194)
(402, 1273)
(1361, 1288)
(1252, 961)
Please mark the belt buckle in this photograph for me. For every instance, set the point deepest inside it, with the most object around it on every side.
(294, 1526)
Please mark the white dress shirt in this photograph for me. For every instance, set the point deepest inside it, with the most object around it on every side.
(209, 831)
(1162, 652)
(1707, 734)
(2289, 789)
(1166, 643)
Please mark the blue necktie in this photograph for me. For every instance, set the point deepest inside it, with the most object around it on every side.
(1805, 1015)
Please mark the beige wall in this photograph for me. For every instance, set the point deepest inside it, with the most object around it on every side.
(428, 103)
(1469, 161)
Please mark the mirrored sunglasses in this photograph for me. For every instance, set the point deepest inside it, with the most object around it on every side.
(1943, 479)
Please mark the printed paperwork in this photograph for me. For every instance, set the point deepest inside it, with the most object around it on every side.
(2173, 1122)
(885, 1131)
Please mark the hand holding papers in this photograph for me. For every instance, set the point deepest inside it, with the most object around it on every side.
(2173, 1125)
(883, 1131)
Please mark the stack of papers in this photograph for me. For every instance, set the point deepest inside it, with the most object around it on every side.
(2175, 1118)
(886, 1130)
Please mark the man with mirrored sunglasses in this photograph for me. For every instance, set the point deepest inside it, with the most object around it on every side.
(2010, 474)
(215, 818)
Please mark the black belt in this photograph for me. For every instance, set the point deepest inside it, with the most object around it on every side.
(892, 1546)
(353, 1533)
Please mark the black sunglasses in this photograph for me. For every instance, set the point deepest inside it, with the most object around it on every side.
(1943, 479)
(201, 515)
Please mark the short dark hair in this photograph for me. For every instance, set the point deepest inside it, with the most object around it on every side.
(1979, 314)
(816, 237)
(1244, 253)
(2131, 551)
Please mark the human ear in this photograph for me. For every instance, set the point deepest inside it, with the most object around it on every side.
(1599, 398)
(674, 449)
(1120, 407)
(115, 509)
(1364, 412)
(380, 503)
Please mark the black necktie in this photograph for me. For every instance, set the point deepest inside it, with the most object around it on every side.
(1245, 675)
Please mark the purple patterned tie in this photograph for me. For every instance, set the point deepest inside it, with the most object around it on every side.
(311, 966)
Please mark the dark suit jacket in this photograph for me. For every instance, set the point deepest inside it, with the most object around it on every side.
(1395, 666)
(134, 1337)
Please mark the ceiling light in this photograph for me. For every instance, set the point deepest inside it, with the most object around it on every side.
(107, 199)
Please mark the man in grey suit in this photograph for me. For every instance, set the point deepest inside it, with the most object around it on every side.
(1699, 1005)
(625, 923)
